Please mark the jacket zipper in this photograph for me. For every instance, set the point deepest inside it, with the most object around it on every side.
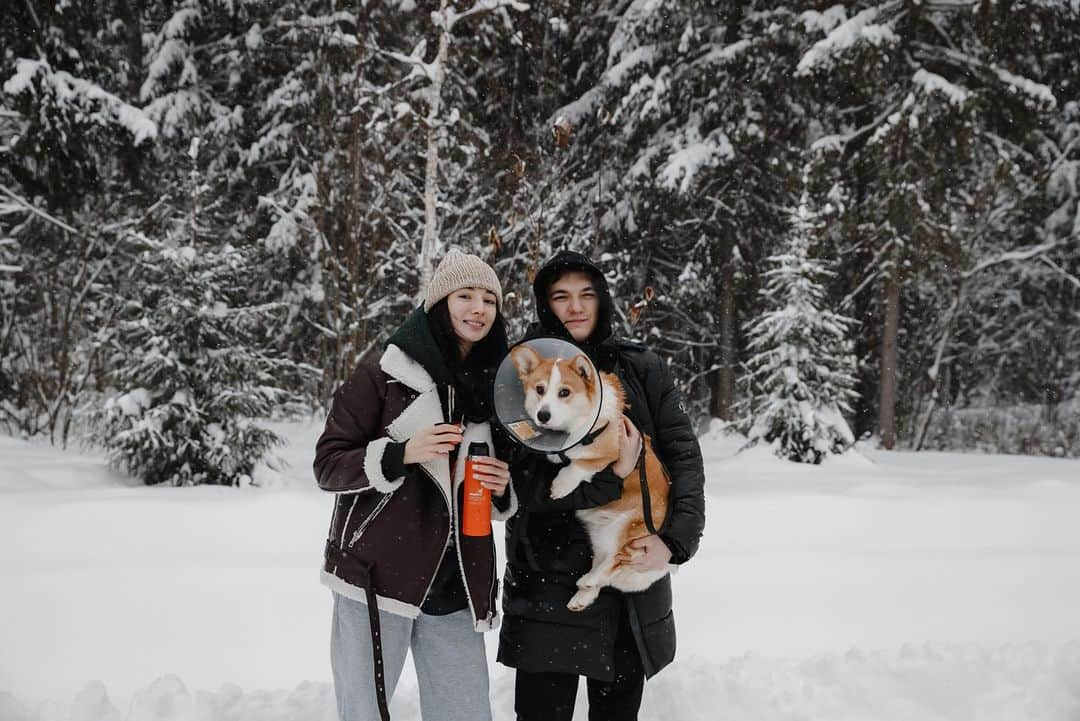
(461, 561)
(345, 527)
(494, 580)
(446, 543)
(457, 546)
(451, 504)
(454, 514)
(367, 521)
(333, 525)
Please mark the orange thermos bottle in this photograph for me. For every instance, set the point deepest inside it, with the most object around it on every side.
(476, 507)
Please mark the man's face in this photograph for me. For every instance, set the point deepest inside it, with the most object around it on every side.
(574, 301)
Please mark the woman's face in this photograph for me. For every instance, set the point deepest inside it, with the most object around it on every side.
(472, 313)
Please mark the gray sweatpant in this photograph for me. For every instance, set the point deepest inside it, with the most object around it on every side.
(449, 656)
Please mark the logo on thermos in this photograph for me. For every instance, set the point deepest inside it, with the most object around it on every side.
(476, 507)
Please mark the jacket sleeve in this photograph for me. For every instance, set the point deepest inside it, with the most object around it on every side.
(533, 474)
(678, 448)
(353, 455)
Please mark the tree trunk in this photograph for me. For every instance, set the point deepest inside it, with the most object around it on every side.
(934, 373)
(130, 13)
(431, 179)
(722, 380)
(887, 409)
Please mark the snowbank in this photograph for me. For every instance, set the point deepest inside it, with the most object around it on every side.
(929, 682)
(875, 586)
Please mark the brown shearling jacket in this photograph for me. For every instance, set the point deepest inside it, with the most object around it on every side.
(395, 530)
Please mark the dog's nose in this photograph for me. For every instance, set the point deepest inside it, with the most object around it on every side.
(543, 415)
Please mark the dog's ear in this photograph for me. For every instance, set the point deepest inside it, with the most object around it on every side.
(525, 359)
(582, 367)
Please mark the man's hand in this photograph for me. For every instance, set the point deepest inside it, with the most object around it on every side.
(492, 473)
(629, 449)
(432, 443)
(647, 553)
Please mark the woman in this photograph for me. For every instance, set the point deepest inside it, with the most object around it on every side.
(623, 638)
(403, 575)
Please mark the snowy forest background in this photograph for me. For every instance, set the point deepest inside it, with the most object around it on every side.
(209, 211)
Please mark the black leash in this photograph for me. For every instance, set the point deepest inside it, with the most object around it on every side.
(646, 499)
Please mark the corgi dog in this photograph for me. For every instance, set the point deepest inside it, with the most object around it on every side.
(561, 395)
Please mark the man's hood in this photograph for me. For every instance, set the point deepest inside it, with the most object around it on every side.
(598, 346)
(567, 260)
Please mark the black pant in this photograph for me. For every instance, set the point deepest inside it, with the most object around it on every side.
(550, 696)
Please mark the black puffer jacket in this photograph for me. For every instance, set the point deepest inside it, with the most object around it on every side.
(548, 548)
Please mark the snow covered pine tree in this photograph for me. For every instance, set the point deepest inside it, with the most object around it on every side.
(193, 381)
(801, 371)
(192, 373)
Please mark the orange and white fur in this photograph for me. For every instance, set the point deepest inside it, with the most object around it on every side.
(560, 395)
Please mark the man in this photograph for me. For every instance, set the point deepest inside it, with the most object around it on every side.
(623, 637)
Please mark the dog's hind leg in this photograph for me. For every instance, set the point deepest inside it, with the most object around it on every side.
(599, 574)
(630, 580)
(605, 539)
(590, 584)
(607, 533)
(583, 598)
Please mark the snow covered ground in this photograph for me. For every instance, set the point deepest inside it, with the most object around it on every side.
(878, 586)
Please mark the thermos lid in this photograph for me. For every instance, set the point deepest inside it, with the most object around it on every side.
(479, 448)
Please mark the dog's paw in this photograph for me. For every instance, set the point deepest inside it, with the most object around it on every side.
(561, 490)
(566, 480)
(583, 599)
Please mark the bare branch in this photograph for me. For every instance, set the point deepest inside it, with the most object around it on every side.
(1066, 274)
(37, 211)
(1011, 257)
(480, 6)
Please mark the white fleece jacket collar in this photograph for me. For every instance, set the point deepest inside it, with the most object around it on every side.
(398, 365)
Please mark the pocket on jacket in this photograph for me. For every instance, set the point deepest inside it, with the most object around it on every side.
(365, 508)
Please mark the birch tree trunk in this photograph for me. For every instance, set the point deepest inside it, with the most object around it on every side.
(430, 242)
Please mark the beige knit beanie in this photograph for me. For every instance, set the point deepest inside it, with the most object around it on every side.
(461, 270)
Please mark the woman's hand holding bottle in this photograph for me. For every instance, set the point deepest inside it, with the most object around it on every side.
(431, 443)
